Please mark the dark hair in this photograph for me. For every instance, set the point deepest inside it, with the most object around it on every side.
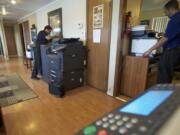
(172, 4)
(48, 27)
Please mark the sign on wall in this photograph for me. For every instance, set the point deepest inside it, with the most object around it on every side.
(98, 13)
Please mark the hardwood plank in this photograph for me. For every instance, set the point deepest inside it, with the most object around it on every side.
(48, 115)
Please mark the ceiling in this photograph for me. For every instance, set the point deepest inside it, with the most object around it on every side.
(153, 4)
(21, 8)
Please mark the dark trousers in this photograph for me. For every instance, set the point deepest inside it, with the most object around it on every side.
(37, 66)
(168, 61)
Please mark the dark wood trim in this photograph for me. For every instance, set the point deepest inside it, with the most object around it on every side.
(119, 56)
(110, 26)
(22, 38)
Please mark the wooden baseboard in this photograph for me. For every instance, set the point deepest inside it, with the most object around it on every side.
(123, 98)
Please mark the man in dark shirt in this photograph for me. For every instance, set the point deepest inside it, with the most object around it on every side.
(43, 38)
(170, 43)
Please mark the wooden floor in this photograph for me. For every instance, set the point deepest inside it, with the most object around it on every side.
(48, 115)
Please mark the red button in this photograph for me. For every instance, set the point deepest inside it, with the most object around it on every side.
(102, 132)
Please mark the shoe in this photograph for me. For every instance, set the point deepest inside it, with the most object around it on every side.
(35, 78)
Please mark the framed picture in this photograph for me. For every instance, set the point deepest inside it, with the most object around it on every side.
(55, 21)
(98, 16)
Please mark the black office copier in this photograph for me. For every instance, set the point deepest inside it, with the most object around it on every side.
(64, 65)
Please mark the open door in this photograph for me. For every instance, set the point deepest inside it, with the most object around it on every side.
(98, 55)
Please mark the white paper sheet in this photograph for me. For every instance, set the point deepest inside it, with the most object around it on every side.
(97, 36)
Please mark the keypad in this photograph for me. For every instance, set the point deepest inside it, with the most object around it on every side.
(114, 123)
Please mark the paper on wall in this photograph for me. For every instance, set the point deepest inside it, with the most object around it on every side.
(96, 35)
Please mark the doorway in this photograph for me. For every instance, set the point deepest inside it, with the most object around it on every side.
(10, 39)
(124, 40)
(25, 35)
(98, 52)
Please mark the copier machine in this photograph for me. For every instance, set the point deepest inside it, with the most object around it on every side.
(63, 63)
(142, 40)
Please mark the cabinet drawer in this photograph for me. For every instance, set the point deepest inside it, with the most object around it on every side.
(73, 79)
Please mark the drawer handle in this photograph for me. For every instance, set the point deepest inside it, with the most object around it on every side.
(74, 55)
(53, 71)
(85, 62)
(72, 79)
(72, 72)
(52, 75)
(52, 80)
(81, 80)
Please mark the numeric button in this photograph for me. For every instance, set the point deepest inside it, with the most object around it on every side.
(120, 123)
(143, 128)
(111, 121)
(129, 125)
(99, 123)
(111, 115)
(123, 130)
(113, 127)
(125, 119)
(134, 120)
(117, 117)
(105, 125)
(105, 119)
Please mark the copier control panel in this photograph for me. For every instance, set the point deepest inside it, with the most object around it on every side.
(143, 115)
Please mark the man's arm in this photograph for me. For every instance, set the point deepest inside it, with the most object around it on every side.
(51, 37)
(160, 43)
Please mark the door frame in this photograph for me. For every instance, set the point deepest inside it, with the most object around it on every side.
(119, 53)
(22, 38)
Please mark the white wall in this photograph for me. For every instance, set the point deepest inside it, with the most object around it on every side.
(3, 38)
(113, 46)
(73, 13)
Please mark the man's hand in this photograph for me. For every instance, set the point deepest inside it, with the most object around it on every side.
(160, 43)
(147, 53)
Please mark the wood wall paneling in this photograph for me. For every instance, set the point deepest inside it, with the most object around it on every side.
(134, 76)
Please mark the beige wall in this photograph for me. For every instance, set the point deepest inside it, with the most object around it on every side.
(148, 15)
(135, 7)
(32, 20)
(73, 13)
